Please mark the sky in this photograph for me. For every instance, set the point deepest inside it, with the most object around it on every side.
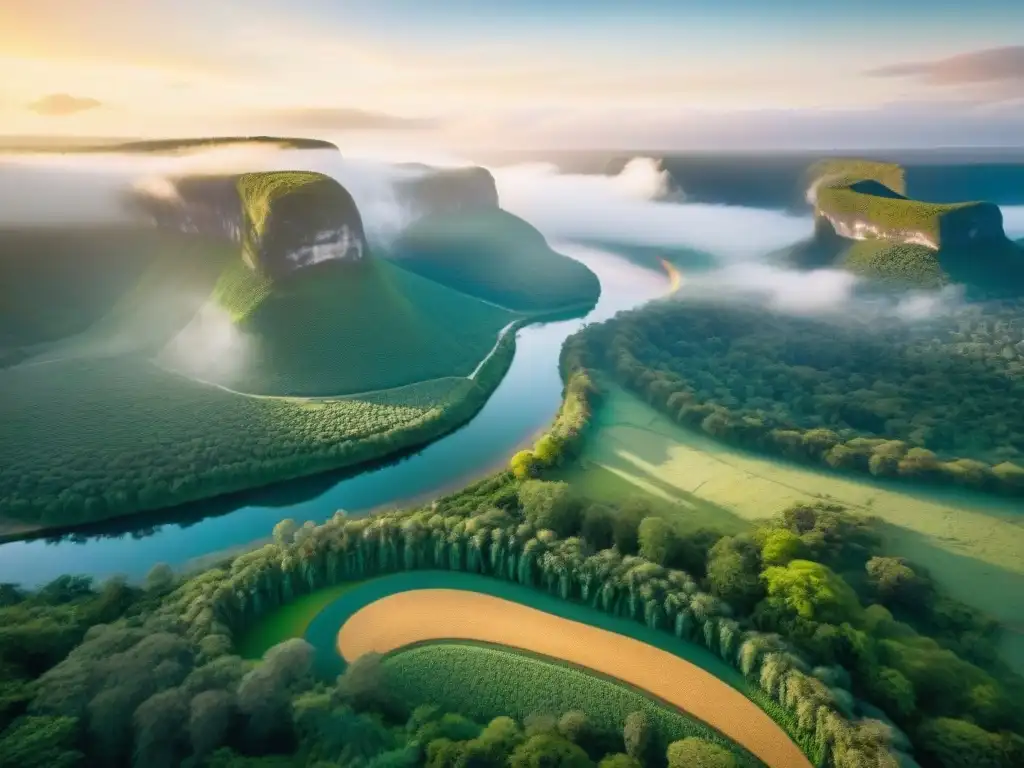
(522, 74)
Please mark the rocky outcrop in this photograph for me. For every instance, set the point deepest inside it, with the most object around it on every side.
(447, 190)
(297, 219)
(283, 220)
(868, 210)
(200, 205)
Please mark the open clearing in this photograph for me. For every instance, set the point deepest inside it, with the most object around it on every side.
(973, 545)
(444, 614)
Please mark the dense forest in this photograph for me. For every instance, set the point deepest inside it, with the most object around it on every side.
(859, 655)
(933, 402)
(80, 460)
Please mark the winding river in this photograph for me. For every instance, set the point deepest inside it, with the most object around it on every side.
(523, 404)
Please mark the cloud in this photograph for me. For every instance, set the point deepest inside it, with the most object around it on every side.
(983, 66)
(62, 105)
(338, 119)
(630, 208)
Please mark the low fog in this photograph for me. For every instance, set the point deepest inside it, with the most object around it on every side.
(629, 209)
(1013, 221)
(640, 206)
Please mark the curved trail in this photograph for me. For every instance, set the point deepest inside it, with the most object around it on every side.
(450, 614)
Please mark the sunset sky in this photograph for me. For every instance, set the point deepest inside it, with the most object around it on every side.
(658, 74)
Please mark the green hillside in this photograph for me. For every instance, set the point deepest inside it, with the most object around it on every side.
(341, 327)
(57, 282)
(499, 258)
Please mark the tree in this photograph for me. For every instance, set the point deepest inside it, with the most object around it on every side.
(575, 726)
(160, 578)
(160, 726)
(895, 582)
(734, 572)
(598, 526)
(491, 749)
(264, 694)
(627, 525)
(41, 742)
(443, 753)
(891, 690)
(656, 539)
(697, 753)
(959, 744)
(779, 546)
(812, 591)
(636, 734)
(549, 750)
(284, 532)
(363, 684)
(549, 505)
(210, 715)
(524, 465)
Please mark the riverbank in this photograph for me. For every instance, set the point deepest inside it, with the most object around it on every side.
(970, 543)
(432, 425)
(523, 404)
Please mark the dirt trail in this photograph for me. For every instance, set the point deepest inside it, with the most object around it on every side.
(449, 614)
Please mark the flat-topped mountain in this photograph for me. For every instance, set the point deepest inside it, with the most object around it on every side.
(864, 222)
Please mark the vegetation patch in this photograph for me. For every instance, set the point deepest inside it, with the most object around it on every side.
(899, 263)
(497, 257)
(347, 327)
(846, 171)
(484, 682)
(73, 454)
(927, 403)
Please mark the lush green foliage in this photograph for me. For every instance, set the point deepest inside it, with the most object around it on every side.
(338, 327)
(497, 257)
(928, 403)
(73, 453)
(483, 682)
(161, 683)
(845, 171)
(901, 263)
(891, 215)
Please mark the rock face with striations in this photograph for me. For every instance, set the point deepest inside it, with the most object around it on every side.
(868, 210)
(283, 220)
(865, 226)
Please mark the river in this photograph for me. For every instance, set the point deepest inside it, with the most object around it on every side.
(522, 405)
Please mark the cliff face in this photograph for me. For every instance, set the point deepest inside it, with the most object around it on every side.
(448, 190)
(282, 220)
(296, 219)
(886, 215)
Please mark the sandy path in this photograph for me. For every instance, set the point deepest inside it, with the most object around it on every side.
(451, 614)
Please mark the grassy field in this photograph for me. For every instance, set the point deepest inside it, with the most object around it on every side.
(971, 544)
(289, 621)
(337, 328)
(425, 615)
(497, 257)
(484, 682)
